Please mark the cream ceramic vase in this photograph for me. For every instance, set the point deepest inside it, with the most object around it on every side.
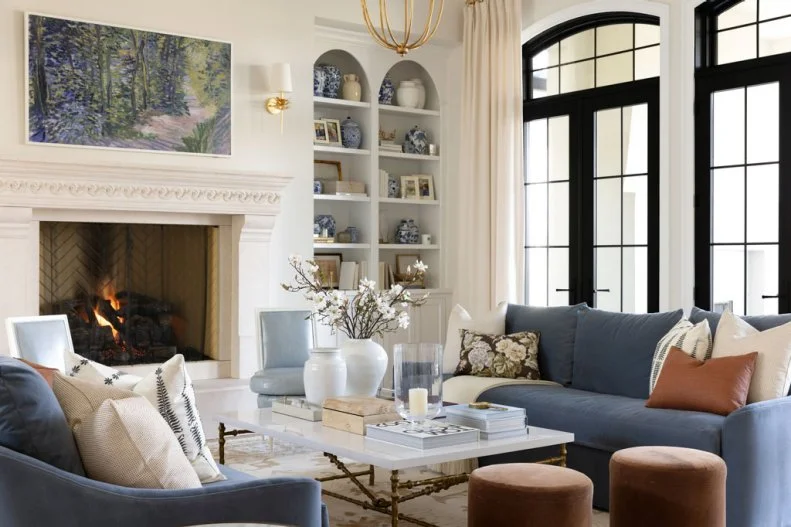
(408, 95)
(352, 91)
(366, 364)
(324, 375)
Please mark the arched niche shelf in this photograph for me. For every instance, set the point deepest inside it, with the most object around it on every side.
(406, 70)
(347, 63)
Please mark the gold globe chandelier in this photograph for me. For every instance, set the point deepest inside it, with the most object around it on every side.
(384, 34)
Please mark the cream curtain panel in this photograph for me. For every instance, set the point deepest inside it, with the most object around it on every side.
(490, 218)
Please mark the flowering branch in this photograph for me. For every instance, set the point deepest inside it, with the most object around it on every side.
(369, 313)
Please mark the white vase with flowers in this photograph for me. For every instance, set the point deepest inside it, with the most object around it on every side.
(369, 313)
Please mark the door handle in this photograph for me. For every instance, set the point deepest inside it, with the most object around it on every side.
(601, 291)
(767, 297)
(563, 290)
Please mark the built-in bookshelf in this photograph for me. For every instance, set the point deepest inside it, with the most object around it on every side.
(375, 214)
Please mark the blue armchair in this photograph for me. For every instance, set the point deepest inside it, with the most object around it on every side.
(285, 339)
(35, 493)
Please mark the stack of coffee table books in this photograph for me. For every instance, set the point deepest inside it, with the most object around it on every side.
(495, 421)
(423, 436)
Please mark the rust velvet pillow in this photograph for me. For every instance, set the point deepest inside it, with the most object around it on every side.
(44, 371)
(718, 386)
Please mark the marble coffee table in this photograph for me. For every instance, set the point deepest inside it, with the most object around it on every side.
(338, 444)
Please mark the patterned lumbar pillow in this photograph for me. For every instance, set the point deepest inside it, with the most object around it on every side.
(126, 442)
(512, 356)
(169, 389)
(79, 367)
(693, 339)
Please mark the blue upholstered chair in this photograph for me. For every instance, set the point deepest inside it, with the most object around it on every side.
(285, 339)
(42, 481)
(42, 339)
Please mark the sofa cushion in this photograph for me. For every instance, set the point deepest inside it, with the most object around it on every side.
(759, 322)
(557, 326)
(613, 351)
(31, 420)
(610, 422)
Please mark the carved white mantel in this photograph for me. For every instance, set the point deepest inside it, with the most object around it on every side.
(244, 205)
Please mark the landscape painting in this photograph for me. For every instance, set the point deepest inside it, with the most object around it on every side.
(98, 85)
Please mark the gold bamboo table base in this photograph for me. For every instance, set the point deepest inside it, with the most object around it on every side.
(399, 490)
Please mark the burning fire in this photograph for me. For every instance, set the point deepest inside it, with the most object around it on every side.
(108, 293)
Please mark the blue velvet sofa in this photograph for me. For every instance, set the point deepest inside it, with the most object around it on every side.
(42, 481)
(602, 363)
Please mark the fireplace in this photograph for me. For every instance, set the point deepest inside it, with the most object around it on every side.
(133, 293)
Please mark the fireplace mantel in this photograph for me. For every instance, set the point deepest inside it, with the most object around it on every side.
(243, 205)
(138, 188)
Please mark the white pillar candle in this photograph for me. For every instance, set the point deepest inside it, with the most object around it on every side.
(418, 402)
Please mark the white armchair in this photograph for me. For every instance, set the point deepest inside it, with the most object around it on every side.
(42, 339)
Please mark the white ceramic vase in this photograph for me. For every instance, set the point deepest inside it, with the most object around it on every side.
(352, 91)
(421, 100)
(324, 375)
(408, 95)
(366, 364)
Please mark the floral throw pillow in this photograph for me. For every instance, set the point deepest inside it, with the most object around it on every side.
(512, 356)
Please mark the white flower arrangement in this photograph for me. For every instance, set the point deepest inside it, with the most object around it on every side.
(368, 313)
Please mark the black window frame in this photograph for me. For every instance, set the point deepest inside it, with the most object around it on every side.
(709, 79)
(581, 107)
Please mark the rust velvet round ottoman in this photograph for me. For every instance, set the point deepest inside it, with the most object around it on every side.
(529, 495)
(663, 486)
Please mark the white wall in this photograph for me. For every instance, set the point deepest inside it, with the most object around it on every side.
(262, 32)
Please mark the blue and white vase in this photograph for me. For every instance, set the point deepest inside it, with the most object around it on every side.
(332, 84)
(319, 81)
(318, 186)
(407, 232)
(322, 222)
(351, 134)
(386, 91)
(416, 141)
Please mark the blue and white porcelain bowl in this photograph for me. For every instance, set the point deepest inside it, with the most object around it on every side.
(386, 91)
(416, 141)
(319, 80)
(351, 133)
(332, 84)
(324, 221)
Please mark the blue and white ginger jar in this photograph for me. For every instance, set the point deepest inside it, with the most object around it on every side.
(319, 81)
(324, 221)
(407, 232)
(351, 134)
(332, 83)
(386, 91)
(416, 141)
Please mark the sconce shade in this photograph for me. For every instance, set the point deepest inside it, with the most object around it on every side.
(280, 78)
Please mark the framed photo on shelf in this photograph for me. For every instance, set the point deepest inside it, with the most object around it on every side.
(426, 186)
(333, 132)
(405, 260)
(409, 187)
(324, 170)
(320, 132)
(329, 269)
(403, 275)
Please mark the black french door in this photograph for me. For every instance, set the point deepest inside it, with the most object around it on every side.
(592, 198)
(743, 187)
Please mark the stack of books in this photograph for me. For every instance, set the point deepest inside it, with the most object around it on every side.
(390, 146)
(495, 421)
(352, 414)
(429, 434)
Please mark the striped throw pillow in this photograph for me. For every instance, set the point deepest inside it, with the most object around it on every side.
(693, 339)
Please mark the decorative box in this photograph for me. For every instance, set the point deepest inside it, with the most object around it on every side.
(344, 187)
(352, 414)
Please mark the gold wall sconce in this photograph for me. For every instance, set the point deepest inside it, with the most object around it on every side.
(279, 76)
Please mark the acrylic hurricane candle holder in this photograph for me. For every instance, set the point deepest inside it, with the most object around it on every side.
(417, 381)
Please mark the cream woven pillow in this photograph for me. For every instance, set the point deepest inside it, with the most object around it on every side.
(126, 442)
(80, 398)
(772, 376)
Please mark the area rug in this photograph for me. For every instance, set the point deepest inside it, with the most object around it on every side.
(254, 456)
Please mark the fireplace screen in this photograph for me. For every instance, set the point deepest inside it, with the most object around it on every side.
(133, 293)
